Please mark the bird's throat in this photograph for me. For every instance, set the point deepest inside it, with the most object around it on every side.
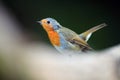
(54, 38)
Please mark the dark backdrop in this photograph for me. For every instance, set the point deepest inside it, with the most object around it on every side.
(76, 15)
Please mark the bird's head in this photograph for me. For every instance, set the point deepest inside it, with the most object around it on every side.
(50, 24)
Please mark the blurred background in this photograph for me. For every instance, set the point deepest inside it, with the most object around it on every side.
(23, 41)
(77, 15)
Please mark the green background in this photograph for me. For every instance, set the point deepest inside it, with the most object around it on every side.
(76, 15)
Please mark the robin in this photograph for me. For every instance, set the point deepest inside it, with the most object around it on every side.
(66, 40)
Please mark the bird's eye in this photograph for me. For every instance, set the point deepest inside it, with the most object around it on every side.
(48, 22)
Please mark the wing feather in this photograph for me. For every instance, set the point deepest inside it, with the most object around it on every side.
(74, 39)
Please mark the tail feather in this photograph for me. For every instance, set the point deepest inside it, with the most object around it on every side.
(86, 35)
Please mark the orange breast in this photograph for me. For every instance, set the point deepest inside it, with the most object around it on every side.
(54, 38)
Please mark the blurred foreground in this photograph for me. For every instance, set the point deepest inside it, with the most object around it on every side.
(22, 60)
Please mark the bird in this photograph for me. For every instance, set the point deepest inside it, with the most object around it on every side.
(66, 40)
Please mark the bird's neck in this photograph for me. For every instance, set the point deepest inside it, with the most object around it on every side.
(54, 38)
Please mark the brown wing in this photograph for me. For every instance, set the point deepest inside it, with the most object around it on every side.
(81, 43)
(74, 39)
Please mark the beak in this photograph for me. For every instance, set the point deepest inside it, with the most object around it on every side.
(38, 22)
